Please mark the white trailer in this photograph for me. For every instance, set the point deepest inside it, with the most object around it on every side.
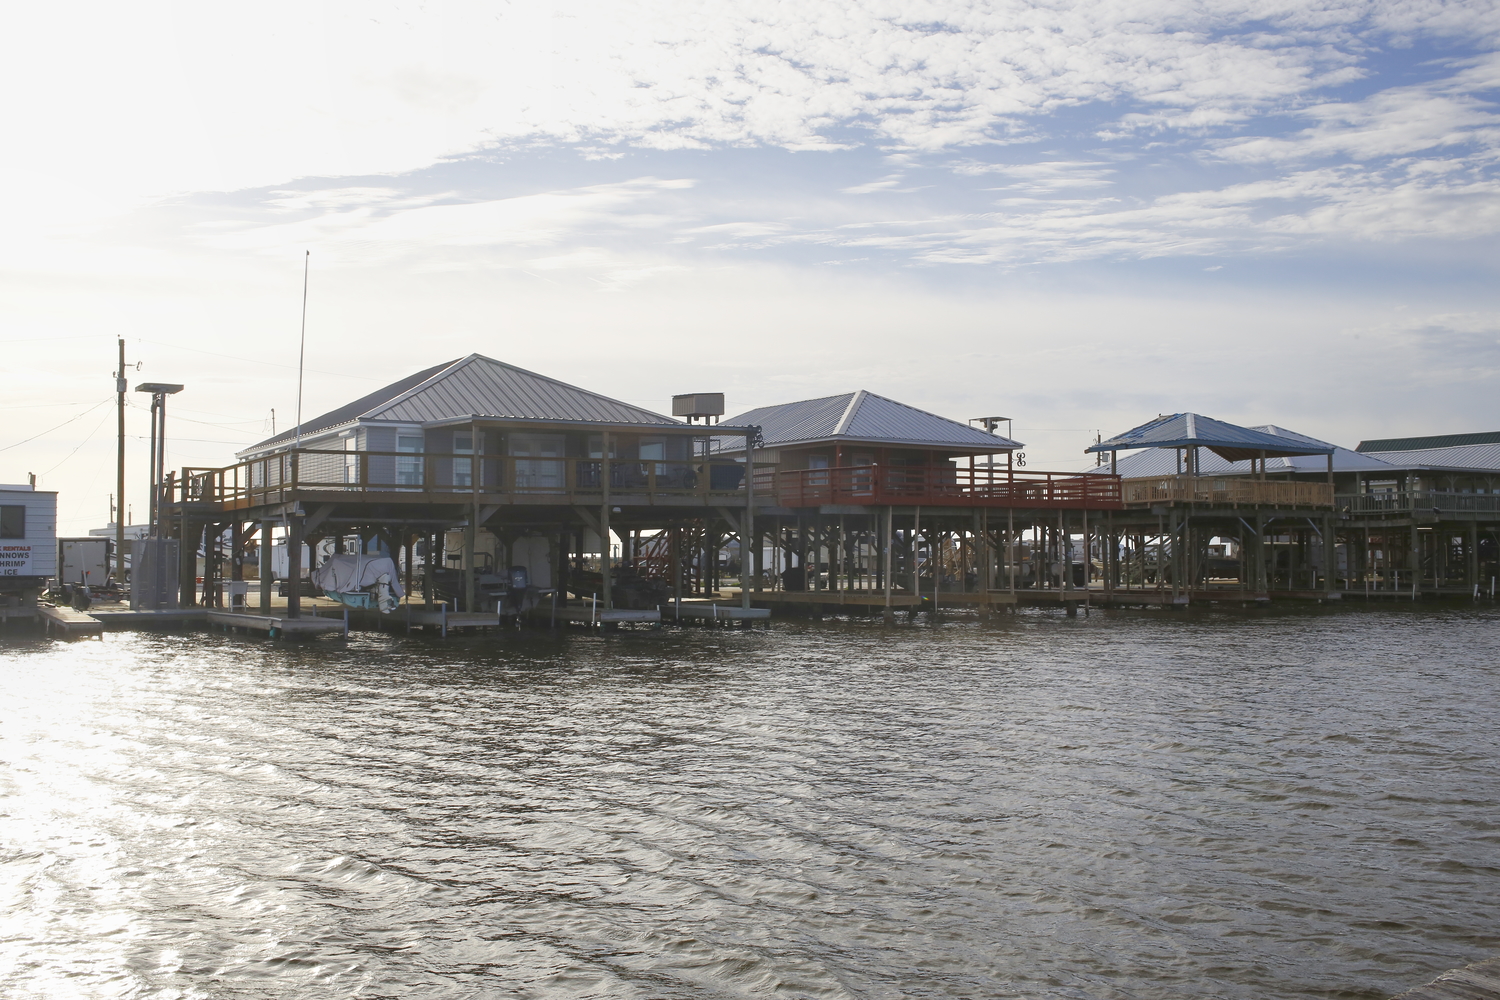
(28, 543)
(84, 560)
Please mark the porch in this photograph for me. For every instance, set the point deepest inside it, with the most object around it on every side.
(387, 476)
(944, 485)
(1229, 491)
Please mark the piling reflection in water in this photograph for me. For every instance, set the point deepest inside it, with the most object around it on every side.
(1126, 805)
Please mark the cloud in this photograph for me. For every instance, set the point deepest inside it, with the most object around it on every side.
(362, 227)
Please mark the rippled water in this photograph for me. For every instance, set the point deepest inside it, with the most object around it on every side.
(1124, 805)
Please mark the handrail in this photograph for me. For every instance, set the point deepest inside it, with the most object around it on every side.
(1406, 501)
(274, 478)
(941, 485)
(1226, 490)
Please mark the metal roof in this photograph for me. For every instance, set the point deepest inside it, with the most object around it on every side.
(866, 418)
(476, 386)
(1155, 462)
(1430, 442)
(482, 387)
(1229, 441)
(1482, 458)
(351, 411)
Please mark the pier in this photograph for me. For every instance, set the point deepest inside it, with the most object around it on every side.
(70, 624)
(488, 487)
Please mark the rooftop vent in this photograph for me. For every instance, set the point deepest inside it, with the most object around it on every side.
(696, 405)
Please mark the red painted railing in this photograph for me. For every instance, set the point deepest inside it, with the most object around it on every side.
(941, 485)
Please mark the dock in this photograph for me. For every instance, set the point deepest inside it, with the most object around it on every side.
(587, 614)
(714, 611)
(851, 598)
(444, 620)
(278, 627)
(123, 619)
(70, 624)
(1480, 981)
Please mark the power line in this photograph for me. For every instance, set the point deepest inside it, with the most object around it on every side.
(65, 423)
(256, 361)
(80, 445)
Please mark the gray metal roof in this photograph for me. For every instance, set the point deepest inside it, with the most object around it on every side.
(482, 387)
(350, 411)
(1429, 442)
(865, 418)
(1481, 458)
(476, 386)
(1155, 462)
(1229, 441)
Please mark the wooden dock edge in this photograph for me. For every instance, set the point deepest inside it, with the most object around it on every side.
(278, 627)
(1480, 981)
(69, 623)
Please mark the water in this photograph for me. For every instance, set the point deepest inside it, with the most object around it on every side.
(1128, 805)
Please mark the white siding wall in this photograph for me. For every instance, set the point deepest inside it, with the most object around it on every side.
(41, 528)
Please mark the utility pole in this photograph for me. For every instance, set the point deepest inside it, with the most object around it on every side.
(120, 472)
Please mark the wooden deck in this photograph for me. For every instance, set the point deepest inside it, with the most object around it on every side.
(854, 598)
(70, 624)
(587, 614)
(945, 485)
(443, 619)
(1231, 491)
(278, 627)
(121, 618)
(1480, 981)
(714, 611)
(385, 477)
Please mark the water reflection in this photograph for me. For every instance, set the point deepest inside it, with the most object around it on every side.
(1124, 805)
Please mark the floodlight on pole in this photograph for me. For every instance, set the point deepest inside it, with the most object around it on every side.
(159, 392)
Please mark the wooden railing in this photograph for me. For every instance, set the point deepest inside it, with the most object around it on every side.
(1420, 501)
(278, 478)
(940, 485)
(1229, 490)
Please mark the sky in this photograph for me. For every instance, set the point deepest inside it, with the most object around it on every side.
(1077, 215)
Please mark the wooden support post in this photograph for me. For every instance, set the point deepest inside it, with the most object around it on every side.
(604, 476)
(187, 562)
(1065, 550)
(1330, 548)
(471, 537)
(747, 527)
(1012, 553)
(889, 615)
(1415, 560)
(429, 566)
(294, 566)
(1471, 550)
(674, 539)
(267, 551)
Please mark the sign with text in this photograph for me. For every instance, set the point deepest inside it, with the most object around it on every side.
(15, 559)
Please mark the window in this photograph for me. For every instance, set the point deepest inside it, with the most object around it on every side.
(539, 462)
(819, 462)
(12, 522)
(463, 468)
(409, 470)
(351, 459)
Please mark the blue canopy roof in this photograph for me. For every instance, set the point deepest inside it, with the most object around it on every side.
(1229, 441)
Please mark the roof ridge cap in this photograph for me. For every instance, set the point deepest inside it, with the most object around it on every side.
(448, 369)
(855, 399)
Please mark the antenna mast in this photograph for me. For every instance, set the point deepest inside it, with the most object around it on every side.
(120, 471)
(302, 347)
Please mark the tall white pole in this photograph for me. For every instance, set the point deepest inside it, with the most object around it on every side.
(302, 347)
